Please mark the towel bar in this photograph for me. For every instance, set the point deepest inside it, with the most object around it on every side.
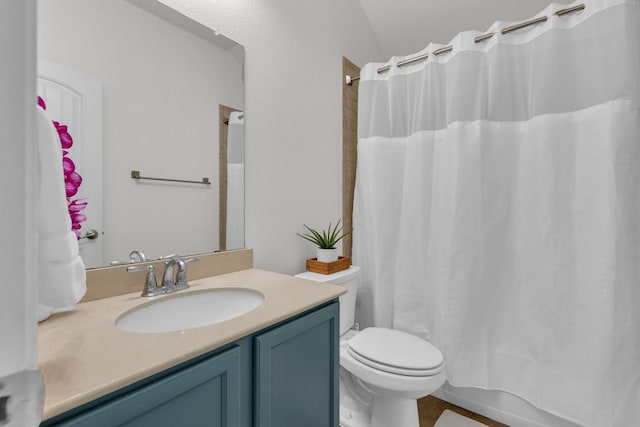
(136, 175)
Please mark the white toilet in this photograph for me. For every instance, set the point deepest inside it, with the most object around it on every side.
(382, 371)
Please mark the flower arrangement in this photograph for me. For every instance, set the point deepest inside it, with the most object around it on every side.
(72, 179)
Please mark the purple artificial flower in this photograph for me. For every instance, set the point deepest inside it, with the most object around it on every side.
(75, 178)
(77, 219)
(77, 205)
(72, 179)
(72, 182)
(65, 139)
(70, 189)
(68, 166)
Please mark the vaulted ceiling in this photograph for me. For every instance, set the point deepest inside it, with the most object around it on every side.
(404, 27)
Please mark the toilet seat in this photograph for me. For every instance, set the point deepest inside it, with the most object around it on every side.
(395, 352)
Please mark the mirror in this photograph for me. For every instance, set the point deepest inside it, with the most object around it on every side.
(145, 89)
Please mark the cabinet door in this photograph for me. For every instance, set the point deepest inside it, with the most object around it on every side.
(204, 394)
(296, 372)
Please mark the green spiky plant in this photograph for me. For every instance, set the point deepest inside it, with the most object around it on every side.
(326, 239)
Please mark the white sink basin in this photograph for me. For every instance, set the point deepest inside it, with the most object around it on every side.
(179, 312)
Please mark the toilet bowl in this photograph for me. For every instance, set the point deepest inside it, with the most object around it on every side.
(382, 371)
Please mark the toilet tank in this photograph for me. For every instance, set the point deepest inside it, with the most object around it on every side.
(350, 279)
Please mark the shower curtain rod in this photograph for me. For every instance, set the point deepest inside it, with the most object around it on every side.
(349, 80)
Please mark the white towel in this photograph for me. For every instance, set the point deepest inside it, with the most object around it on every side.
(61, 273)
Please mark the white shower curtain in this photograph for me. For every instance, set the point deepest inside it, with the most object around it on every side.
(497, 209)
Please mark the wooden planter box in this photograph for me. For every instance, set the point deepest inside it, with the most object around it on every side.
(316, 266)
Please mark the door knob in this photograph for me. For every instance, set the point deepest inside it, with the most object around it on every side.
(90, 234)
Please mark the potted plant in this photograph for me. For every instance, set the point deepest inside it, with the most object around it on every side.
(326, 241)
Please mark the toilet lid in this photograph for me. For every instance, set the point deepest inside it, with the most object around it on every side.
(396, 352)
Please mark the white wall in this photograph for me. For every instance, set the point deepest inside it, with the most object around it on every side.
(293, 68)
(162, 88)
(17, 179)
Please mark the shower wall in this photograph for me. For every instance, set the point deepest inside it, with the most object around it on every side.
(349, 149)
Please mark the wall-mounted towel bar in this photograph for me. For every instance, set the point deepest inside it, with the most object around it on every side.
(136, 175)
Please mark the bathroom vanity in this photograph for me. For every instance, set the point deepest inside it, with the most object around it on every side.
(274, 366)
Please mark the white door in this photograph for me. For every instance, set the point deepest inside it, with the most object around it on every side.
(74, 98)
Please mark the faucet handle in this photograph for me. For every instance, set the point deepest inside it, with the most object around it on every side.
(151, 288)
(181, 275)
(182, 268)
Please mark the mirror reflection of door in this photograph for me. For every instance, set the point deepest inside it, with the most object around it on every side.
(74, 98)
(163, 76)
(231, 178)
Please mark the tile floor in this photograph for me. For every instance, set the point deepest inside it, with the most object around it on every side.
(430, 408)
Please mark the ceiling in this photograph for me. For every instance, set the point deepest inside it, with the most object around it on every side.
(404, 27)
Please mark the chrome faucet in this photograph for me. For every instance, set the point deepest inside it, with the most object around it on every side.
(134, 256)
(172, 280)
(137, 253)
(168, 279)
(176, 281)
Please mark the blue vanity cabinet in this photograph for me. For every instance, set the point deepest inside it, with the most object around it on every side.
(283, 376)
(296, 372)
(206, 393)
